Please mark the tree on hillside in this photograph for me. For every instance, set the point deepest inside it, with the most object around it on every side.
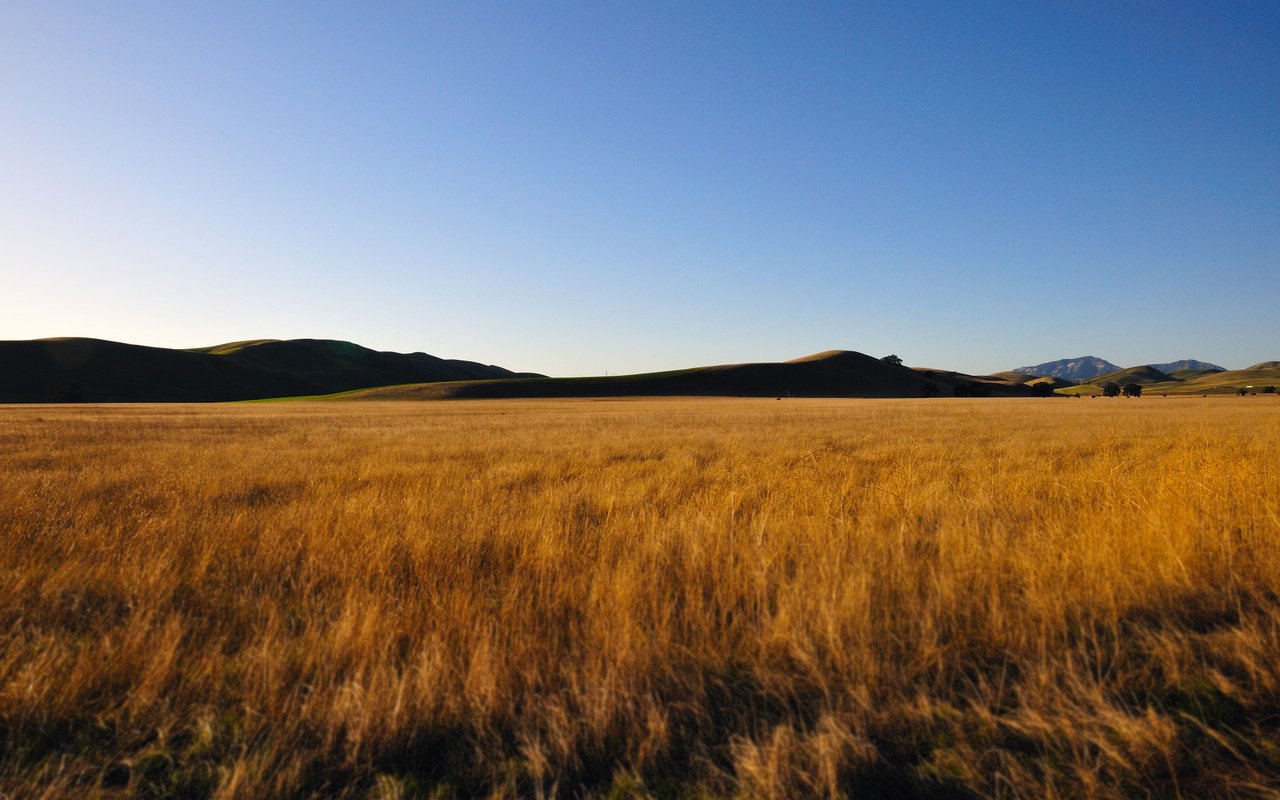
(1133, 390)
(1111, 389)
(1042, 390)
(892, 359)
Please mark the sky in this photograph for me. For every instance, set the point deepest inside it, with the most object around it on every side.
(581, 188)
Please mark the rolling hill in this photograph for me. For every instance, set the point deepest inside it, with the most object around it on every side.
(1228, 382)
(1190, 374)
(1143, 375)
(835, 373)
(1011, 376)
(1188, 381)
(95, 370)
(1028, 380)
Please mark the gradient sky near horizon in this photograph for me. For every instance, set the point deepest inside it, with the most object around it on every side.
(575, 188)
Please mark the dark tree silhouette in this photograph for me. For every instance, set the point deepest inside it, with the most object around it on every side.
(892, 359)
(1133, 390)
(930, 390)
(1269, 390)
(1242, 391)
(1111, 389)
(1042, 390)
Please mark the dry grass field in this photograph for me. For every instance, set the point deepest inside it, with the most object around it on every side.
(676, 598)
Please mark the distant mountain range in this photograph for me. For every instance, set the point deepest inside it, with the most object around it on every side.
(1189, 363)
(1086, 368)
(1071, 369)
(95, 370)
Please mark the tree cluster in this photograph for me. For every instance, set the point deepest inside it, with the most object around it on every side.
(1113, 389)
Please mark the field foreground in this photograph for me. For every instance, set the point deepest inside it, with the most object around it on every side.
(641, 598)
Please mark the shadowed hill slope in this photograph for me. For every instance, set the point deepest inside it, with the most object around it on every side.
(1191, 374)
(230, 347)
(1145, 374)
(95, 370)
(1024, 379)
(836, 373)
(1009, 376)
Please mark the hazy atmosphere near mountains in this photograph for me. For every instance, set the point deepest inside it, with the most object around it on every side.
(580, 188)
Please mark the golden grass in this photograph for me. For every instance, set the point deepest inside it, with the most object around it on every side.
(1037, 598)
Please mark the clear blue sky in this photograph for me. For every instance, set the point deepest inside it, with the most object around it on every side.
(574, 188)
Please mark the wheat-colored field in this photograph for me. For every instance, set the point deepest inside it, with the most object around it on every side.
(683, 598)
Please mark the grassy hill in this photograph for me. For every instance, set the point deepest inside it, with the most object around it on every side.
(1080, 389)
(95, 370)
(1189, 382)
(1192, 374)
(1010, 376)
(1026, 379)
(230, 347)
(1142, 375)
(835, 373)
(1227, 382)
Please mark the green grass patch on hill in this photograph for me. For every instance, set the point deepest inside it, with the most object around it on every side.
(1081, 389)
